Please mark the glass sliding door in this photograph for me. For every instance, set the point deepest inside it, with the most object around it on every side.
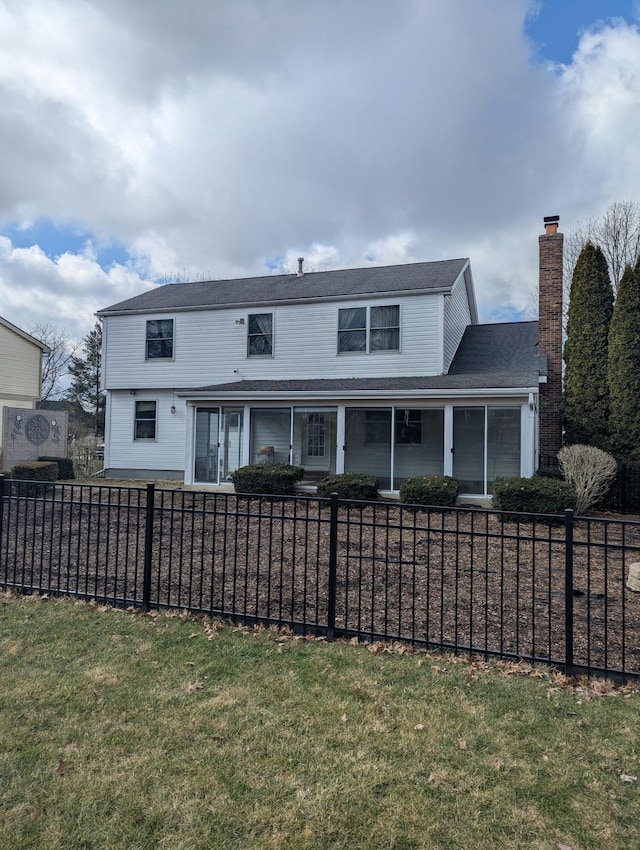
(368, 443)
(487, 445)
(418, 443)
(207, 445)
(231, 442)
(468, 448)
(503, 443)
(270, 436)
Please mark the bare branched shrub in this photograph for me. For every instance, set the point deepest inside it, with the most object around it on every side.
(591, 472)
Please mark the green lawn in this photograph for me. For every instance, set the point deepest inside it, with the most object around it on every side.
(130, 731)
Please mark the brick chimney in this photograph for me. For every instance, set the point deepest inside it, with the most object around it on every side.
(550, 337)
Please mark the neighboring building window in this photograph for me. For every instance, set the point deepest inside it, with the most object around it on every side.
(159, 339)
(145, 421)
(367, 329)
(260, 335)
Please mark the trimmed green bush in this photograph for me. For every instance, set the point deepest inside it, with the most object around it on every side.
(276, 479)
(36, 471)
(350, 485)
(535, 495)
(65, 467)
(430, 490)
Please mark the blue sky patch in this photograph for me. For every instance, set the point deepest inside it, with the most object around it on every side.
(55, 240)
(555, 30)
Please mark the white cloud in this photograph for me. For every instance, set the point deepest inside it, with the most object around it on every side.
(210, 137)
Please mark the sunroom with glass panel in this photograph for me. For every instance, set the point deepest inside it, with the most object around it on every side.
(486, 446)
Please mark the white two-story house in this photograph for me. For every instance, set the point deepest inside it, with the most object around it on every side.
(382, 370)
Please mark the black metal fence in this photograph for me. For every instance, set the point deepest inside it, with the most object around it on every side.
(531, 587)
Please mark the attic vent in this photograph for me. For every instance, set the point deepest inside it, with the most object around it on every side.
(300, 270)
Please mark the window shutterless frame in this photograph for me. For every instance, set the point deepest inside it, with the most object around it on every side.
(367, 330)
(159, 339)
(260, 335)
(145, 423)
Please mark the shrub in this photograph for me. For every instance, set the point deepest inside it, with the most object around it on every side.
(535, 495)
(432, 490)
(591, 472)
(65, 466)
(267, 478)
(350, 485)
(35, 471)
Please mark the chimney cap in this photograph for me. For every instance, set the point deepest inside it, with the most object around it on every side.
(300, 269)
(551, 219)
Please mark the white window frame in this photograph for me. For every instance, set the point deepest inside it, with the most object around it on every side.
(137, 419)
(367, 330)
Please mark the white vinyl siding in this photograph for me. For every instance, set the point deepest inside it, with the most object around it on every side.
(167, 451)
(456, 318)
(213, 347)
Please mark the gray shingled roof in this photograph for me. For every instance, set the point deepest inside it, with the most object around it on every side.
(377, 280)
(495, 356)
(506, 347)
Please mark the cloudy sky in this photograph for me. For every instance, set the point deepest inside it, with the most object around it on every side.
(221, 138)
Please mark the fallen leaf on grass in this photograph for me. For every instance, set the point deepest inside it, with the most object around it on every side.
(561, 846)
(419, 727)
(462, 745)
(192, 687)
(343, 719)
(63, 767)
(626, 778)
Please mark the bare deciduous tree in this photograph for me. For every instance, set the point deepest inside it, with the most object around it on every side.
(55, 365)
(616, 232)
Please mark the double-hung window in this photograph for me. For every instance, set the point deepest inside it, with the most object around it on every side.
(367, 329)
(260, 335)
(145, 420)
(159, 339)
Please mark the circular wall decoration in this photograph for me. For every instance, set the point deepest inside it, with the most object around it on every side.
(37, 430)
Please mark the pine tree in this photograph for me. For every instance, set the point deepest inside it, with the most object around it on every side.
(86, 374)
(624, 367)
(586, 395)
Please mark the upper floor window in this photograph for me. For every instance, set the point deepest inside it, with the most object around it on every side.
(260, 335)
(369, 329)
(159, 341)
(145, 420)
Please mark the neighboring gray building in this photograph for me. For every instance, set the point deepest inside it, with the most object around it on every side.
(381, 369)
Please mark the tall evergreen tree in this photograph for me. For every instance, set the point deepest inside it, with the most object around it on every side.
(624, 367)
(586, 396)
(86, 374)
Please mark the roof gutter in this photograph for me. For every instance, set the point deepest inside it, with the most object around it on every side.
(336, 395)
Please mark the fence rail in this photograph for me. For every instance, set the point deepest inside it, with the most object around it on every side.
(546, 589)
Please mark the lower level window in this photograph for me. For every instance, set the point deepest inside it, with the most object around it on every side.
(145, 420)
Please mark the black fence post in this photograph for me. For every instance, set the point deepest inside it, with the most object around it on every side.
(568, 591)
(148, 546)
(2, 492)
(333, 566)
